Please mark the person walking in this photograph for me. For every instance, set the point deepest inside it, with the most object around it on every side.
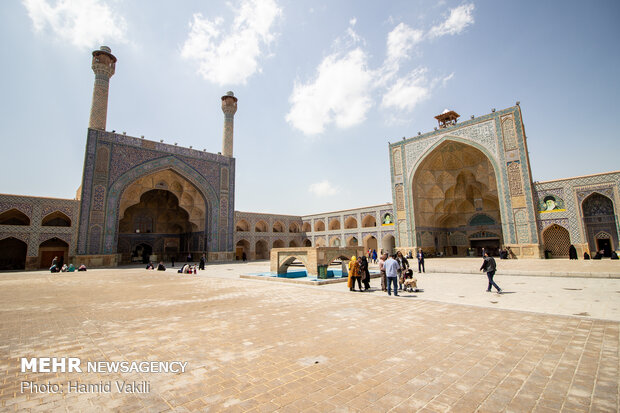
(374, 256)
(391, 274)
(365, 273)
(490, 267)
(354, 269)
(201, 266)
(382, 270)
(420, 257)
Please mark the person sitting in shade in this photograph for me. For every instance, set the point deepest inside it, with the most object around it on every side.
(82, 267)
(71, 268)
(149, 266)
(160, 266)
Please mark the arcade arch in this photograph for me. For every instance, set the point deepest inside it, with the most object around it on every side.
(261, 250)
(369, 221)
(388, 244)
(14, 217)
(335, 241)
(56, 219)
(319, 226)
(278, 243)
(242, 226)
(261, 226)
(557, 241)
(370, 242)
(350, 223)
(451, 185)
(600, 223)
(242, 246)
(51, 248)
(352, 242)
(278, 227)
(306, 227)
(334, 224)
(294, 228)
(292, 244)
(307, 243)
(13, 253)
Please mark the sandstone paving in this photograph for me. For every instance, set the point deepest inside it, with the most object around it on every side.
(266, 346)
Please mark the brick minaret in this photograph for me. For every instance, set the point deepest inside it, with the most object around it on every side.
(229, 107)
(103, 65)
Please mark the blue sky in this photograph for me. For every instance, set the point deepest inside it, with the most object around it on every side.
(322, 86)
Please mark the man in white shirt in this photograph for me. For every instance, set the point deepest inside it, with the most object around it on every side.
(391, 274)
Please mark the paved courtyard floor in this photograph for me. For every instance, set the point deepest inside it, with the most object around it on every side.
(257, 346)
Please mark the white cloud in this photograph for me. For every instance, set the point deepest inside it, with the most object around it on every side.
(230, 54)
(407, 91)
(459, 18)
(340, 94)
(401, 41)
(323, 188)
(344, 87)
(82, 23)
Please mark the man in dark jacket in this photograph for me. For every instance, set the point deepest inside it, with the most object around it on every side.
(489, 266)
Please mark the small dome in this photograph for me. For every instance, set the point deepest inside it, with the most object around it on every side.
(230, 93)
(105, 49)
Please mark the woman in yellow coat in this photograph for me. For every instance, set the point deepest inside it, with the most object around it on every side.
(354, 267)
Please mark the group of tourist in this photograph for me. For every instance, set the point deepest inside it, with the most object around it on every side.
(394, 269)
(58, 266)
(397, 275)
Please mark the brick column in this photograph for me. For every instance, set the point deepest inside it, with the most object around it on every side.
(103, 65)
(229, 107)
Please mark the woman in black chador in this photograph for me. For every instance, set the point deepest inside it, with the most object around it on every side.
(365, 272)
(572, 252)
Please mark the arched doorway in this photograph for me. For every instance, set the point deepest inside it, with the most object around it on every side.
(600, 223)
(388, 244)
(261, 250)
(319, 226)
(51, 248)
(370, 242)
(557, 241)
(451, 185)
(278, 243)
(165, 211)
(242, 246)
(352, 242)
(157, 228)
(307, 243)
(261, 226)
(13, 254)
(292, 244)
(334, 224)
(142, 253)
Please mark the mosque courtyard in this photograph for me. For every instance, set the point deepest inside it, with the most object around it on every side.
(550, 343)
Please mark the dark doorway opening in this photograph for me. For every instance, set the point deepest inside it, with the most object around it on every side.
(489, 245)
(143, 252)
(605, 245)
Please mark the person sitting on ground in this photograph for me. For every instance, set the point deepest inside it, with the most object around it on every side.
(160, 266)
(614, 255)
(64, 268)
(53, 268)
(149, 266)
(71, 268)
(82, 267)
(184, 269)
(599, 255)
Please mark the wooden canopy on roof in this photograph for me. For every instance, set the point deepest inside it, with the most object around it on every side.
(447, 118)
